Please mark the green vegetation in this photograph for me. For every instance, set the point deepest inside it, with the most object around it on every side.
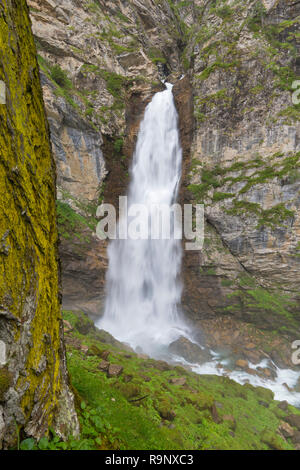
(144, 409)
(60, 77)
(273, 305)
(74, 225)
(264, 170)
(156, 55)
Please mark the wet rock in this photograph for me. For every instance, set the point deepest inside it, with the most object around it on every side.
(266, 372)
(254, 356)
(250, 371)
(241, 364)
(250, 346)
(283, 405)
(287, 387)
(178, 381)
(293, 420)
(191, 352)
(114, 370)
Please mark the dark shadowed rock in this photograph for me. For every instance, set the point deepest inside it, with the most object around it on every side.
(191, 352)
(283, 405)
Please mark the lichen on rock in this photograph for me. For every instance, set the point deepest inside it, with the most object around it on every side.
(30, 317)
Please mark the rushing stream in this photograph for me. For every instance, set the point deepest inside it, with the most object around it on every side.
(143, 280)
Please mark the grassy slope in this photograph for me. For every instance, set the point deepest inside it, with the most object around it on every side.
(111, 419)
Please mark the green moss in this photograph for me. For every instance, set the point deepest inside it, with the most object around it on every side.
(71, 224)
(156, 55)
(135, 410)
(143, 409)
(118, 145)
(221, 196)
(271, 302)
(5, 382)
(29, 281)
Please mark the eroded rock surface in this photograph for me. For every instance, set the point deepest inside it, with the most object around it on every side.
(34, 388)
(239, 128)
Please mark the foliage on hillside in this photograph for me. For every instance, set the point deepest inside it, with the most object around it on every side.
(154, 405)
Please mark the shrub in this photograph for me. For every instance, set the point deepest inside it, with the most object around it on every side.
(60, 77)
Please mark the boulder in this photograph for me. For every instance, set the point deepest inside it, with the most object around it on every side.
(105, 355)
(191, 352)
(178, 381)
(286, 430)
(103, 366)
(114, 370)
(241, 364)
(283, 405)
(293, 420)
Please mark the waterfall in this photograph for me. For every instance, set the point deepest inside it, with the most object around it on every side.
(143, 279)
(143, 285)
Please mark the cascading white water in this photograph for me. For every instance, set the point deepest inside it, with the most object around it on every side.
(143, 286)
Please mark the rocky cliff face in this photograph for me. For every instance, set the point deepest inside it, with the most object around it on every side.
(245, 155)
(34, 390)
(102, 61)
(100, 64)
